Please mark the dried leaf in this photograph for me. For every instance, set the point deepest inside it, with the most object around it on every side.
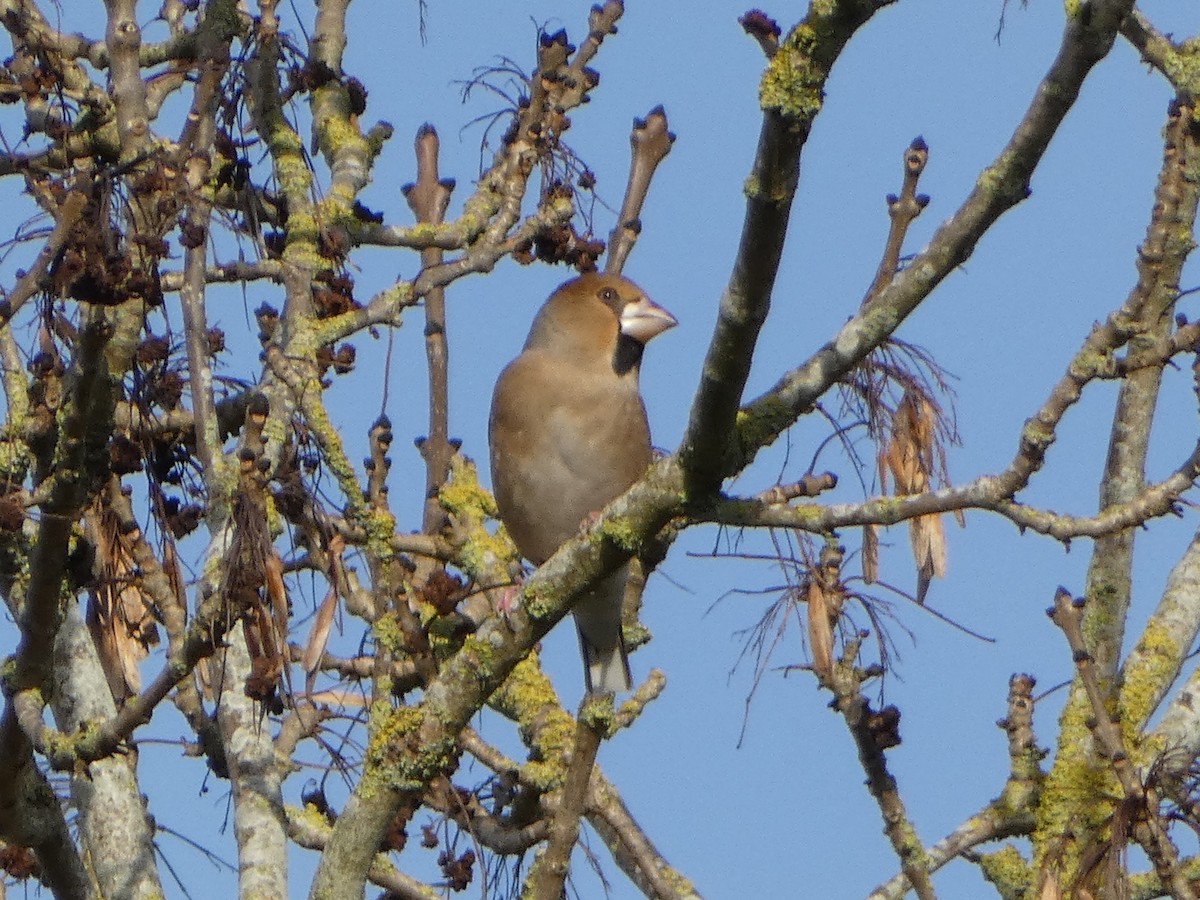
(911, 450)
(205, 679)
(258, 633)
(929, 550)
(910, 457)
(99, 623)
(266, 661)
(120, 616)
(173, 566)
(318, 636)
(337, 544)
(820, 629)
(277, 594)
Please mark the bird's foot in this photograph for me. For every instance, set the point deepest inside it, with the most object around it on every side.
(589, 521)
(507, 600)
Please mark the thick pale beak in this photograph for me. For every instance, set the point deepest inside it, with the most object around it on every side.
(643, 319)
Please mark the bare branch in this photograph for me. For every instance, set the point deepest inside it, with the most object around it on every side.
(987, 492)
(651, 142)
(30, 283)
(549, 872)
(428, 199)
(874, 732)
(633, 850)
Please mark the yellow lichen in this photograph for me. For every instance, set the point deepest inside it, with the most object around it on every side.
(273, 433)
(598, 713)
(309, 817)
(316, 416)
(1153, 666)
(793, 85)
(482, 655)
(275, 523)
(8, 673)
(380, 526)
(402, 753)
(463, 495)
(539, 600)
(1008, 870)
(336, 132)
(622, 531)
(389, 634)
(14, 460)
(482, 551)
(1078, 792)
(394, 755)
(759, 425)
(528, 696)
(444, 631)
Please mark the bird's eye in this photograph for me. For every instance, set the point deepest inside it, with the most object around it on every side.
(608, 295)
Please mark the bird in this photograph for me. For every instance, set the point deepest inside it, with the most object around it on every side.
(568, 433)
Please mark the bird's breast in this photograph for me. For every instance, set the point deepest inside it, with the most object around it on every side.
(557, 461)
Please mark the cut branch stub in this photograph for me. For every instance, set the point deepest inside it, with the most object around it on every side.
(650, 141)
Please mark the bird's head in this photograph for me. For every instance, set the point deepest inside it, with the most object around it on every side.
(599, 317)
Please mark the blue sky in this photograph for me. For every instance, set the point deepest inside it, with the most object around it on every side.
(787, 814)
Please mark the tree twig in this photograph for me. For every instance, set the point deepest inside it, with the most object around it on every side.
(1002, 185)
(902, 211)
(794, 78)
(428, 198)
(650, 141)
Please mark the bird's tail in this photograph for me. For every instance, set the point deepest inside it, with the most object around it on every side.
(605, 670)
(601, 643)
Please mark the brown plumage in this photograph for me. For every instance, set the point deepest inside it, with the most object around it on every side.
(568, 433)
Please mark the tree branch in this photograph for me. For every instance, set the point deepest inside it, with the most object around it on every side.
(1009, 815)
(1148, 826)
(790, 95)
(548, 874)
(1002, 185)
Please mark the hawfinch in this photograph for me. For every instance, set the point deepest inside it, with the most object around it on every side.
(568, 433)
